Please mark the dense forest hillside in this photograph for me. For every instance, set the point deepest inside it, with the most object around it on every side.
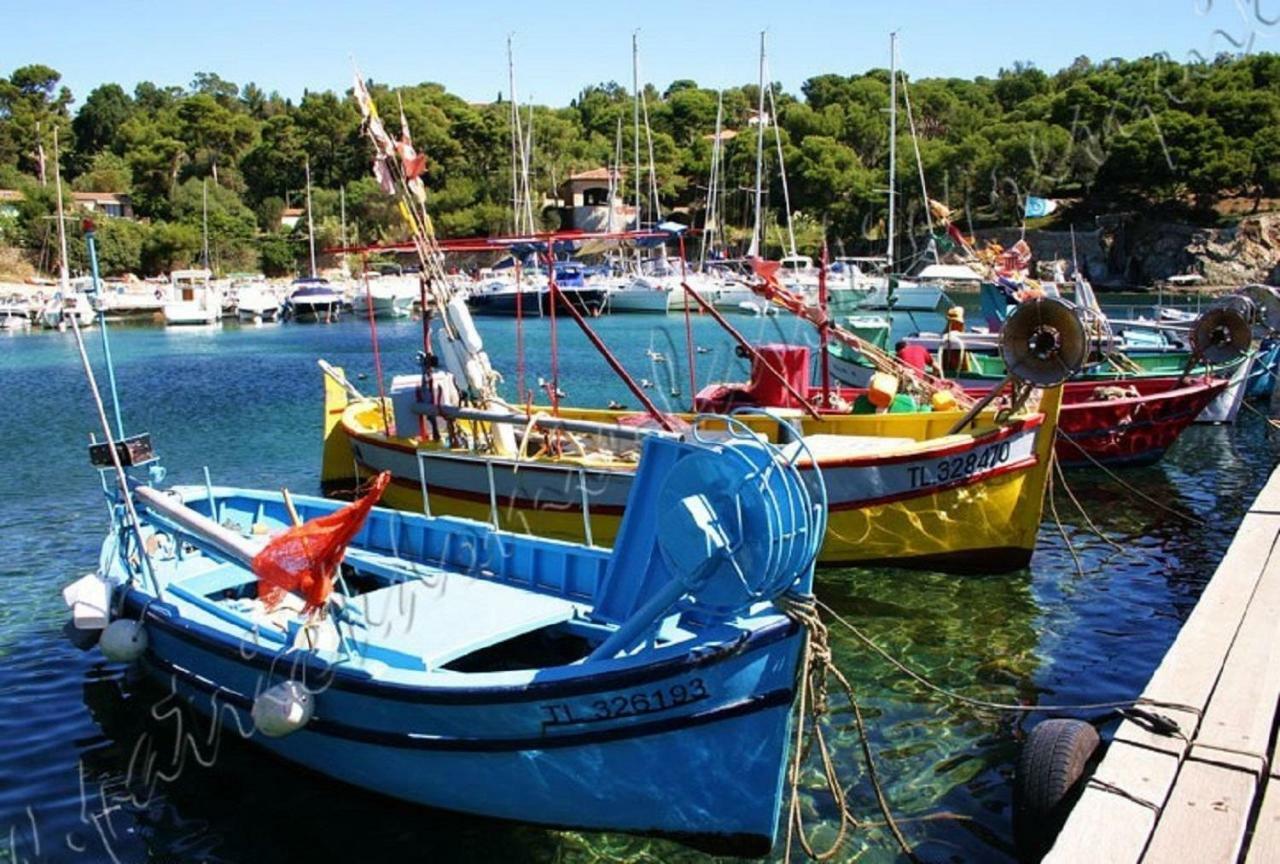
(1147, 135)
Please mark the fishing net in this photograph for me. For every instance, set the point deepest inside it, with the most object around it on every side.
(304, 559)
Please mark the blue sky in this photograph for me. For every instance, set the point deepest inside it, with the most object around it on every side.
(561, 46)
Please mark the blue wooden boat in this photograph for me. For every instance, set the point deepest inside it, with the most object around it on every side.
(648, 689)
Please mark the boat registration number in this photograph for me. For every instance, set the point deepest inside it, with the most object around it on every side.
(960, 467)
(634, 704)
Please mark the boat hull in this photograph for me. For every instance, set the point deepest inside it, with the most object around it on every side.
(190, 315)
(969, 504)
(546, 753)
(1131, 431)
(588, 301)
(383, 307)
(314, 311)
(652, 300)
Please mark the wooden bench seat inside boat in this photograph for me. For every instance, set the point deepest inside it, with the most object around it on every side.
(449, 615)
(824, 447)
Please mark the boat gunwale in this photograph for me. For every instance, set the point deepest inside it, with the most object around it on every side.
(170, 619)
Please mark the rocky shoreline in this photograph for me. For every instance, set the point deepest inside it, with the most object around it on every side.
(1127, 252)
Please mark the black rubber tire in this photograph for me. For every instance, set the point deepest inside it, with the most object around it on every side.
(1048, 780)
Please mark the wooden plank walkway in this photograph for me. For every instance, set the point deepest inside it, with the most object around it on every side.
(1212, 794)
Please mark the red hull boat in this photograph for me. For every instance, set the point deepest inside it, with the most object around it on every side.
(1128, 423)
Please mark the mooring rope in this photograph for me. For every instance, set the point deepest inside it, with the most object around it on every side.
(988, 704)
(1195, 520)
(1272, 422)
(819, 666)
(1062, 478)
(1053, 510)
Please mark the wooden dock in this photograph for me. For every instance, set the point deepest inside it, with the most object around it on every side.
(1214, 794)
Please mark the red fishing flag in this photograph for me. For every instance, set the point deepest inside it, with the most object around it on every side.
(305, 559)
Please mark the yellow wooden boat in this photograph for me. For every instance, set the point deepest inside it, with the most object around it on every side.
(902, 489)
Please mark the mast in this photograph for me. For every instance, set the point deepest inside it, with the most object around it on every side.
(64, 277)
(342, 211)
(516, 149)
(635, 117)
(311, 232)
(893, 144)
(711, 220)
(204, 222)
(757, 230)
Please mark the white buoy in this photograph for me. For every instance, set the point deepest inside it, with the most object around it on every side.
(123, 641)
(282, 709)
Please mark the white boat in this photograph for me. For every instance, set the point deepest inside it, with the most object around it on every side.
(14, 317)
(256, 303)
(313, 299)
(641, 294)
(63, 306)
(389, 296)
(193, 301)
(121, 299)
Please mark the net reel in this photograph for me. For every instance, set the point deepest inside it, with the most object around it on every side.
(1222, 332)
(1043, 343)
(1266, 302)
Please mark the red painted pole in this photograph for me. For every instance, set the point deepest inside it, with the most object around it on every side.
(688, 332)
(807, 405)
(520, 394)
(824, 332)
(554, 290)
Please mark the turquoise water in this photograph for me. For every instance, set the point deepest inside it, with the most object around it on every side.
(79, 734)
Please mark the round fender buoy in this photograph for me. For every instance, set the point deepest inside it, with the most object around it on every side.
(1048, 779)
(123, 641)
(282, 709)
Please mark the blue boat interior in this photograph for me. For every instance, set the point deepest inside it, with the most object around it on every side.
(420, 594)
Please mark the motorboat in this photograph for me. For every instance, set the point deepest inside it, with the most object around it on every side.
(257, 303)
(193, 301)
(384, 296)
(313, 299)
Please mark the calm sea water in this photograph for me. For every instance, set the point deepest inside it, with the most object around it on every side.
(90, 763)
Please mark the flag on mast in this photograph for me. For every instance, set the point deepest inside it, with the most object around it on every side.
(1038, 207)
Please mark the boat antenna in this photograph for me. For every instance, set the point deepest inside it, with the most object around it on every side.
(311, 232)
(121, 480)
(90, 240)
